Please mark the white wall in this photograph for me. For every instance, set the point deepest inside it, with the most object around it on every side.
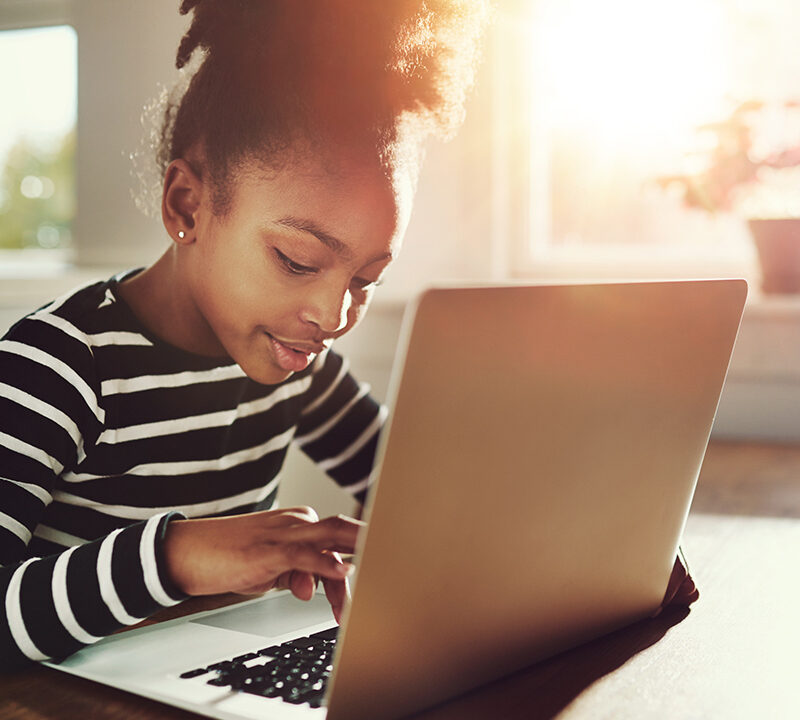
(125, 51)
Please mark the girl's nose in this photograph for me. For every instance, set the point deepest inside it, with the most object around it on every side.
(327, 309)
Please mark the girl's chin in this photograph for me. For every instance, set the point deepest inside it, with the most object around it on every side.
(263, 369)
(266, 375)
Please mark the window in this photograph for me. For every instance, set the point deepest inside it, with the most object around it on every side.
(37, 137)
(618, 92)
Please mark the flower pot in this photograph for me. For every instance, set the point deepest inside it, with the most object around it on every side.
(777, 242)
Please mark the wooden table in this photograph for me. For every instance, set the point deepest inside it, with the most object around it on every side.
(736, 654)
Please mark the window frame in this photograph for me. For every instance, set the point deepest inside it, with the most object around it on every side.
(29, 15)
(22, 14)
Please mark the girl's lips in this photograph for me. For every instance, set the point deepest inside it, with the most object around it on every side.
(290, 358)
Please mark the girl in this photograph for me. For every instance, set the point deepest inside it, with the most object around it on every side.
(144, 420)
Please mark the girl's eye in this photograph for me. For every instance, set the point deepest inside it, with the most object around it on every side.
(364, 284)
(294, 267)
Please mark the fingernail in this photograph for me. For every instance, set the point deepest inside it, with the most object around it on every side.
(345, 569)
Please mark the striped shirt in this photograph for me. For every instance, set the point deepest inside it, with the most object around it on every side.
(106, 432)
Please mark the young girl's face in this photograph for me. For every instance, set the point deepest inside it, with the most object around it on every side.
(294, 261)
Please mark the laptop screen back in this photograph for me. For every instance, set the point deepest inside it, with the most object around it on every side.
(539, 465)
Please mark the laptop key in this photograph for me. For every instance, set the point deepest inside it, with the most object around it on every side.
(220, 681)
(222, 665)
(271, 651)
(304, 693)
(246, 656)
(262, 690)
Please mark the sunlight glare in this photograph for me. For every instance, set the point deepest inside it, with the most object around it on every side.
(632, 75)
(41, 91)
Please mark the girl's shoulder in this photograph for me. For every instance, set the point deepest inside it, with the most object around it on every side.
(80, 313)
(49, 356)
(65, 334)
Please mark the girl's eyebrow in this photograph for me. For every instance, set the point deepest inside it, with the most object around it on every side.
(338, 246)
(309, 226)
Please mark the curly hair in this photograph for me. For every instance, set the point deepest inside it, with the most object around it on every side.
(275, 72)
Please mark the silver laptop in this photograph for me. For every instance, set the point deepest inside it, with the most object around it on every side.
(531, 490)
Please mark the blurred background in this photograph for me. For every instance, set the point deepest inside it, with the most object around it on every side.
(628, 139)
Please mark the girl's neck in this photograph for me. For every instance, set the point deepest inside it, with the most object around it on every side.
(163, 304)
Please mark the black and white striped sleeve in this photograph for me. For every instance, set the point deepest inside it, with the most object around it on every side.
(340, 425)
(52, 606)
(55, 605)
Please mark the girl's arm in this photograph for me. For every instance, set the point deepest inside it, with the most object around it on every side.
(53, 605)
(255, 552)
(340, 425)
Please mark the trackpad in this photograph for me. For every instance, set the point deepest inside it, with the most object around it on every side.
(272, 616)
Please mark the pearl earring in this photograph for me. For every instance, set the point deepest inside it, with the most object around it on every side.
(181, 234)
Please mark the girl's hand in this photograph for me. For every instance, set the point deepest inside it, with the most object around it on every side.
(255, 552)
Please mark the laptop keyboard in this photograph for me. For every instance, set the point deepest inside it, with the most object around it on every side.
(295, 671)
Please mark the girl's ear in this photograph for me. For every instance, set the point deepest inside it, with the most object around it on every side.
(180, 201)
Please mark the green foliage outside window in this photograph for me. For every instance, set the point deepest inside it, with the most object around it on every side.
(37, 195)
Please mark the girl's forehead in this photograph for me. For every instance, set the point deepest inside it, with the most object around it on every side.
(321, 181)
(354, 194)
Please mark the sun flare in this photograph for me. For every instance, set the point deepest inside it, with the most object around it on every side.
(630, 74)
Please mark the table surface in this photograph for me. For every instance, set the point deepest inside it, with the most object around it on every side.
(733, 655)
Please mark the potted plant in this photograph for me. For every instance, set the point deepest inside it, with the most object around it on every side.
(752, 166)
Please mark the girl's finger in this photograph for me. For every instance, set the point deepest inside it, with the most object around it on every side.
(302, 584)
(334, 533)
(338, 593)
(277, 559)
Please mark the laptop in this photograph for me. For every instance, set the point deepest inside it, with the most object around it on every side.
(530, 493)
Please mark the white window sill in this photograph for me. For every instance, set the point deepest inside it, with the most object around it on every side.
(29, 278)
(642, 261)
